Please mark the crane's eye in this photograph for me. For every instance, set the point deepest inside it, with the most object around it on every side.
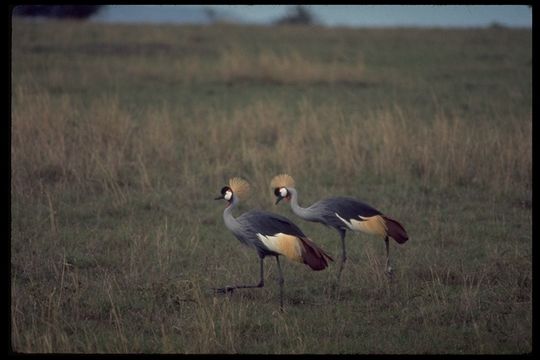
(283, 192)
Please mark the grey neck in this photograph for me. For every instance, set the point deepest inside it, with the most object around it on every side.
(304, 213)
(230, 222)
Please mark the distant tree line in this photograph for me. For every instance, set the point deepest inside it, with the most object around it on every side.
(297, 15)
(57, 11)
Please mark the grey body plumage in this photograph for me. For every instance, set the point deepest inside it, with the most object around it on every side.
(270, 235)
(246, 227)
(342, 214)
(324, 211)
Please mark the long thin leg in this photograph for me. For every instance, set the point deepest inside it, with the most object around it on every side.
(280, 281)
(343, 254)
(389, 269)
(229, 288)
(261, 281)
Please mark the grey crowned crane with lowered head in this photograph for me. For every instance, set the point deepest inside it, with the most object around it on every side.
(342, 214)
(269, 235)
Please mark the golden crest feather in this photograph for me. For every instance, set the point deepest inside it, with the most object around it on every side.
(240, 187)
(282, 180)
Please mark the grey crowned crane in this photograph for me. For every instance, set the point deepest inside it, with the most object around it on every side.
(342, 214)
(269, 235)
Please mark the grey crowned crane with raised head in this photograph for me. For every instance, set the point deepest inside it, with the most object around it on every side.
(269, 235)
(342, 214)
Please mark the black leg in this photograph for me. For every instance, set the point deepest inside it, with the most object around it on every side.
(389, 270)
(343, 253)
(261, 281)
(229, 288)
(280, 281)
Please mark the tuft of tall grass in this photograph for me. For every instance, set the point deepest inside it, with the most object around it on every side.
(100, 146)
(447, 151)
(105, 146)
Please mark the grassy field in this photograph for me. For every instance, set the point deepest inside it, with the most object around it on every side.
(122, 135)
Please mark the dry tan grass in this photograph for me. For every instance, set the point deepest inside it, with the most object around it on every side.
(63, 143)
(107, 146)
(445, 152)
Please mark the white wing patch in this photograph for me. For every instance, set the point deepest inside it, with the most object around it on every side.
(349, 225)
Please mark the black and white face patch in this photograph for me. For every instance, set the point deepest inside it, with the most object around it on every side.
(227, 193)
(281, 192)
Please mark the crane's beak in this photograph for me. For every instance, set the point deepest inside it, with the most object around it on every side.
(278, 199)
(219, 197)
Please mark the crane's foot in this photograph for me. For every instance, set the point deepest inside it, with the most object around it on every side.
(224, 290)
(389, 272)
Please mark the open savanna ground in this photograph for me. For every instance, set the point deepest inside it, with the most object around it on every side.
(121, 137)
